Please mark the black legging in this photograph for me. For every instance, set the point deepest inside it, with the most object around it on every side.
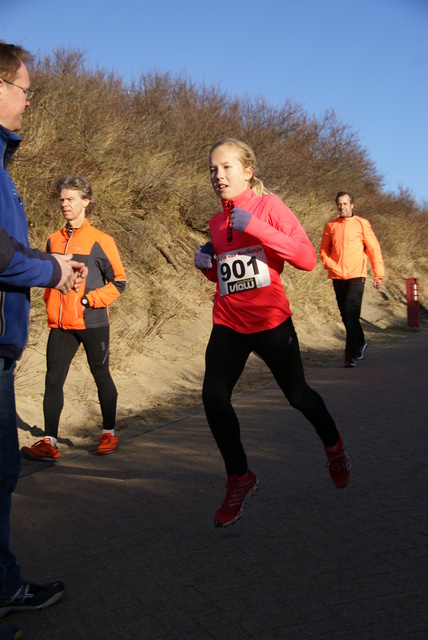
(61, 349)
(349, 296)
(226, 355)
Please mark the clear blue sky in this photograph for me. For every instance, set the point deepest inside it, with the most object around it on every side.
(366, 59)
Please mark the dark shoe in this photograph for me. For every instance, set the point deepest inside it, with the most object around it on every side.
(238, 488)
(362, 351)
(349, 362)
(9, 632)
(339, 465)
(31, 596)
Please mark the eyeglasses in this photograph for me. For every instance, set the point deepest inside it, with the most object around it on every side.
(28, 92)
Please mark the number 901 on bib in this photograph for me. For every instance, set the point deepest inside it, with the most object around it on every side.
(242, 270)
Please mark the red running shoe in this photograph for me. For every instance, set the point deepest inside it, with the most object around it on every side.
(41, 450)
(238, 488)
(108, 444)
(339, 465)
(349, 362)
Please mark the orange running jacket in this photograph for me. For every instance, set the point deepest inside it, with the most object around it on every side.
(105, 282)
(345, 246)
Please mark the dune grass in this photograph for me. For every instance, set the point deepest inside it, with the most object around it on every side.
(145, 149)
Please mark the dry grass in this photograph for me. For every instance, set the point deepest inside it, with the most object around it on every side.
(145, 150)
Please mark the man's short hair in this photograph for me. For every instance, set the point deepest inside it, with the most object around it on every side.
(11, 58)
(344, 193)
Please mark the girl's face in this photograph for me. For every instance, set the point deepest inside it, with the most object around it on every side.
(228, 176)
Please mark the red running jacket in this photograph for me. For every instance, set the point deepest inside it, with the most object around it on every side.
(249, 294)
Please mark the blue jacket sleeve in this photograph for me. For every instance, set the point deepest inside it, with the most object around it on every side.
(21, 266)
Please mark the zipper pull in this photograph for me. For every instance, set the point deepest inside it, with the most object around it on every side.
(229, 206)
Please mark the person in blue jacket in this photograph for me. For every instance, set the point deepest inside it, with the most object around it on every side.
(21, 268)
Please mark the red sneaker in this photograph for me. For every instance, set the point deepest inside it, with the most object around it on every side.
(349, 362)
(41, 450)
(339, 465)
(237, 489)
(108, 444)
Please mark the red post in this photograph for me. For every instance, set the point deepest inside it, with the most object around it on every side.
(412, 295)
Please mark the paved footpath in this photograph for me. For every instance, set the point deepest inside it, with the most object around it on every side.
(131, 534)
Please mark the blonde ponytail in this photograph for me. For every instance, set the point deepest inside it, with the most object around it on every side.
(258, 187)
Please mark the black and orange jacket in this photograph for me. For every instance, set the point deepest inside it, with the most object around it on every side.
(105, 282)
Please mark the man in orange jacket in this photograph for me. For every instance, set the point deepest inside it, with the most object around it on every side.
(80, 317)
(346, 244)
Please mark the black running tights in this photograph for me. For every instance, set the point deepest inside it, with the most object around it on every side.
(61, 349)
(226, 355)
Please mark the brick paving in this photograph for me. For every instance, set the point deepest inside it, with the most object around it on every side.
(131, 534)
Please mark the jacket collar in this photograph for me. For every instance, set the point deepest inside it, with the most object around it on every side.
(65, 230)
(9, 143)
(239, 201)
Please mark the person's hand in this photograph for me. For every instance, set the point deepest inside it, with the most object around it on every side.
(377, 283)
(72, 273)
(240, 218)
(80, 274)
(204, 256)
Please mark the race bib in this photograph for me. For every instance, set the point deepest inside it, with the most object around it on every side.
(242, 270)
